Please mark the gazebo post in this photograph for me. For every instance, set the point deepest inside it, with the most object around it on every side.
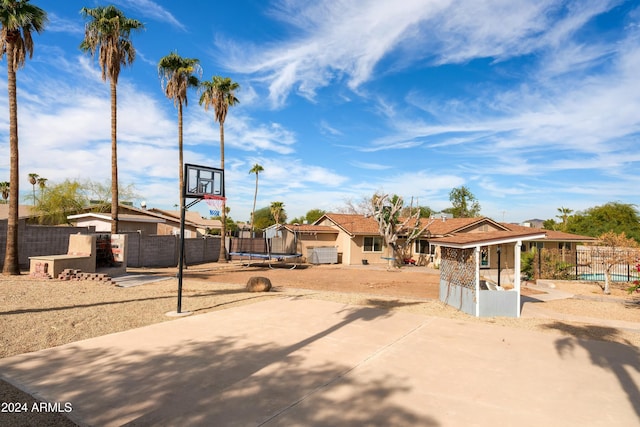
(516, 271)
(477, 268)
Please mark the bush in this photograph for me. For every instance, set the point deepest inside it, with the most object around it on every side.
(636, 283)
(527, 264)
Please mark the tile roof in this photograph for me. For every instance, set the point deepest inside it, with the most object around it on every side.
(452, 225)
(553, 234)
(353, 224)
(192, 217)
(489, 237)
(359, 224)
(310, 228)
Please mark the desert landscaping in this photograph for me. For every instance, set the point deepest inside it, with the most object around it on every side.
(39, 314)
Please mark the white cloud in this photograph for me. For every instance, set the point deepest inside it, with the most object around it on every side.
(151, 10)
(334, 42)
(370, 166)
(592, 116)
(244, 134)
(58, 24)
(338, 40)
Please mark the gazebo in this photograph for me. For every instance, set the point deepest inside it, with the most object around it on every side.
(461, 284)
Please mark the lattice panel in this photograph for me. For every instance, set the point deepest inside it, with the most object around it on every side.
(458, 267)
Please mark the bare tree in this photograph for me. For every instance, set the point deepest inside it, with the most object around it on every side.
(392, 227)
(364, 206)
(611, 250)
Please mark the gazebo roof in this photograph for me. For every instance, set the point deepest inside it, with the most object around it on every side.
(471, 240)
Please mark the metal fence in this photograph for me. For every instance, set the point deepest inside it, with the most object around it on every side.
(587, 263)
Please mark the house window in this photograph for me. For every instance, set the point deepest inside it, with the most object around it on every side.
(422, 246)
(372, 244)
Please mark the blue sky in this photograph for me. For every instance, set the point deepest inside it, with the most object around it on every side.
(531, 105)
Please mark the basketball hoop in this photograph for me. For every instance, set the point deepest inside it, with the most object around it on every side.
(215, 204)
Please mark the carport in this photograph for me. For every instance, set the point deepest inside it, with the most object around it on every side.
(461, 284)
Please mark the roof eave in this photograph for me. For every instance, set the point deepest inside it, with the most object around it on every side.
(490, 242)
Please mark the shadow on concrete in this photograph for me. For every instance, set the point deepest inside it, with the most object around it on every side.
(390, 304)
(259, 297)
(598, 342)
(221, 381)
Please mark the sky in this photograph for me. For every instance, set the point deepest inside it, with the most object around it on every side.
(532, 106)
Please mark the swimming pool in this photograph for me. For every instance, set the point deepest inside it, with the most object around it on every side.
(599, 277)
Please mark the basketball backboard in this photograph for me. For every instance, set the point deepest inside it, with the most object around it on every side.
(203, 181)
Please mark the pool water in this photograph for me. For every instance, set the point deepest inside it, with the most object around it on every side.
(599, 277)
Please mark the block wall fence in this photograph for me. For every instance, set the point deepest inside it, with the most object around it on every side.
(143, 250)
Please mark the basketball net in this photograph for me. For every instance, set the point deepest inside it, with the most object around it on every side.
(215, 204)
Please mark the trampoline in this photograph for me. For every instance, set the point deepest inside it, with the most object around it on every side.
(267, 255)
(269, 258)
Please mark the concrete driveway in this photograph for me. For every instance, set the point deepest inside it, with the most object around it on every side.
(303, 362)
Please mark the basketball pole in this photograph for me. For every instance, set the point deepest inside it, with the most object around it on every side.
(183, 211)
(204, 177)
(181, 255)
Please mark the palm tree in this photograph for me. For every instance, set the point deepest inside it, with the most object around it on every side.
(276, 210)
(4, 190)
(564, 215)
(255, 169)
(108, 33)
(33, 179)
(219, 94)
(18, 19)
(42, 183)
(176, 76)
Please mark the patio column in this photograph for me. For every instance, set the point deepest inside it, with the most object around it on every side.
(477, 259)
(516, 271)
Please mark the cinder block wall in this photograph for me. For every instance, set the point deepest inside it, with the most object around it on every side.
(36, 240)
(201, 250)
(158, 251)
(142, 250)
(163, 251)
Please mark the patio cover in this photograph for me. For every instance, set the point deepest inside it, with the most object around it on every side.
(491, 238)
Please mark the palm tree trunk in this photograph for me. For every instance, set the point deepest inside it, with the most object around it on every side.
(253, 212)
(11, 266)
(181, 183)
(180, 156)
(114, 159)
(223, 214)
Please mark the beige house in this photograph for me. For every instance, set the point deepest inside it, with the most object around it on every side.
(146, 221)
(356, 239)
(201, 225)
(24, 211)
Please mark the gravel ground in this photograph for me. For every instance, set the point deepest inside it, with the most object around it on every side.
(39, 314)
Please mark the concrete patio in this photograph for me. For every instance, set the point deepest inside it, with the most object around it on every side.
(303, 362)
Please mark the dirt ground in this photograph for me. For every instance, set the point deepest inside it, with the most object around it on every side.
(408, 282)
(38, 314)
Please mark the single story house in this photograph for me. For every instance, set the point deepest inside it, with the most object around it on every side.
(202, 225)
(24, 211)
(145, 221)
(356, 239)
